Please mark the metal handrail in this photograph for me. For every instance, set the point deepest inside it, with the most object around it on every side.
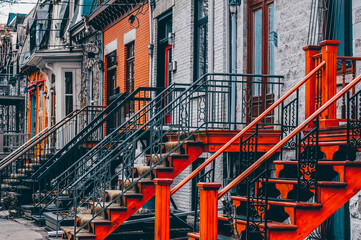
(275, 148)
(247, 128)
(62, 153)
(19, 149)
(68, 118)
(101, 166)
(70, 170)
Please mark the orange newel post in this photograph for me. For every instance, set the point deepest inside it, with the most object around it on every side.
(162, 208)
(310, 85)
(329, 81)
(208, 227)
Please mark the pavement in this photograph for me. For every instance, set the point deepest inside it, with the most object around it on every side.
(20, 229)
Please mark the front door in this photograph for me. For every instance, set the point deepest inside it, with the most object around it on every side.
(260, 56)
(33, 111)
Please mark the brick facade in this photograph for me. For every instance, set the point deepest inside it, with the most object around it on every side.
(141, 58)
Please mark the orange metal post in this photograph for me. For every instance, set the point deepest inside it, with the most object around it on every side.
(208, 227)
(310, 85)
(329, 81)
(162, 205)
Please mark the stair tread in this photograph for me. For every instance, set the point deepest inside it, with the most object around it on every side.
(101, 221)
(282, 202)
(321, 162)
(294, 181)
(163, 168)
(133, 194)
(71, 230)
(117, 208)
(270, 224)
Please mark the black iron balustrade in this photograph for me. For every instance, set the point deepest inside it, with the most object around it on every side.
(202, 105)
(353, 123)
(74, 167)
(290, 120)
(308, 155)
(25, 160)
(257, 204)
(205, 176)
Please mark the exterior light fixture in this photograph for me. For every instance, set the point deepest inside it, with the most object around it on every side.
(45, 94)
(171, 38)
(233, 6)
(52, 91)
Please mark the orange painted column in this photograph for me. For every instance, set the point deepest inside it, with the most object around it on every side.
(208, 225)
(329, 81)
(310, 86)
(162, 208)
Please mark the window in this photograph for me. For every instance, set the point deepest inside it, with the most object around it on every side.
(68, 92)
(202, 37)
(130, 68)
(130, 74)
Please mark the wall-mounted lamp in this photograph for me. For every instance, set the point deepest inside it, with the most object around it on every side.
(101, 65)
(171, 38)
(45, 95)
(233, 6)
(52, 91)
(150, 49)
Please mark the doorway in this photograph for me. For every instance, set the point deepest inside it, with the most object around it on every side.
(262, 41)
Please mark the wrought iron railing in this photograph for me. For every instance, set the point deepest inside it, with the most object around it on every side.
(64, 167)
(202, 105)
(12, 141)
(353, 122)
(36, 151)
(248, 151)
(307, 155)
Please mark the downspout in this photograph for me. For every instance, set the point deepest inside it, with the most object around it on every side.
(101, 73)
(211, 37)
(234, 68)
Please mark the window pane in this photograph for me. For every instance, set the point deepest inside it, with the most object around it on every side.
(257, 49)
(68, 83)
(203, 50)
(68, 104)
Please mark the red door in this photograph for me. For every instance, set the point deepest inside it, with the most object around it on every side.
(167, 80)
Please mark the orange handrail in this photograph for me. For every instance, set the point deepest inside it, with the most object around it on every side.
(270, 153)
(247, 128)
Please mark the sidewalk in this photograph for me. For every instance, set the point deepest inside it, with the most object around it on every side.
(20, 229)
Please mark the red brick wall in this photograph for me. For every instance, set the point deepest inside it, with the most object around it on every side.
(141, 57)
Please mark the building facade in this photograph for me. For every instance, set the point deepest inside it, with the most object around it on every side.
(90, 54)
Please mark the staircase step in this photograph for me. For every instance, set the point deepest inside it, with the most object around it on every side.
(83, 218)
(321, 162)
(278, 209)
(272, 225)
(17, 175)
(5, 186)
(295, 182)
(83, 234)
(282, 202)
(163, 172)
(11, 180)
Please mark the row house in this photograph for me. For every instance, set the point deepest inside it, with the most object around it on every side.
(12, 83)
(205, 119)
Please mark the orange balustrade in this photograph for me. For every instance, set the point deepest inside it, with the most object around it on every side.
(162, 208)
(273, 150)
(208, 215)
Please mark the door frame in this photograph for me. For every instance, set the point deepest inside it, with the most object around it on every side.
(251, 7)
